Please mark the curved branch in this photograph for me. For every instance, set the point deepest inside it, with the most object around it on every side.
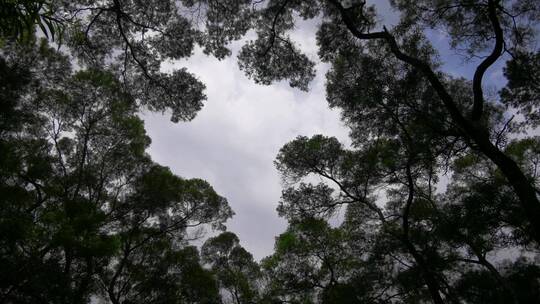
(415, 62)
(471, 129)
(497, 51)
(371, 206)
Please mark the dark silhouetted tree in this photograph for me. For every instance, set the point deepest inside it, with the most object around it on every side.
(84, 210)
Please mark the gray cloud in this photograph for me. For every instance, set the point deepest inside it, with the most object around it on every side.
(234, 139)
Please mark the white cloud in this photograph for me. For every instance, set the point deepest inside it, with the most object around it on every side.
(234, 139)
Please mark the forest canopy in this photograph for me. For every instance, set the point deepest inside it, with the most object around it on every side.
(437, 197)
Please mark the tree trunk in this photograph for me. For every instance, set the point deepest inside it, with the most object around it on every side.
(428, 276)
(517, 179)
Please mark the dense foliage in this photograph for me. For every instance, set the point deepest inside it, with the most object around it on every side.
(435, 201)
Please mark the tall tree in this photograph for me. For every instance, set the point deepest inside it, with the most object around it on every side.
(349, 38)
(85, 212)
(422, 245)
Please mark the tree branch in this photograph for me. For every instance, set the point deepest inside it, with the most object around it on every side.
(497, 51)
(415, 62)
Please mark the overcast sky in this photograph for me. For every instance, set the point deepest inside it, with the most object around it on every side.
(235, 138)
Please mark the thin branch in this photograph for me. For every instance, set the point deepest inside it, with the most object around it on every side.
(273, 29)
(500, 133)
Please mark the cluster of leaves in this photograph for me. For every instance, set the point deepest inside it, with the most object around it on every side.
(132, 39)
(18, 19)
(235, 268)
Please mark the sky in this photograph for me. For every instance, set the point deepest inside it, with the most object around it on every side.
(235, 138)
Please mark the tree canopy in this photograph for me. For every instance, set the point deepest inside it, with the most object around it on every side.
(435, 201)
(85, 211)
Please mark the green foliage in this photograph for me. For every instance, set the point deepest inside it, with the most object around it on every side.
(522, 90)
(437, 187)
(341, 293)
(19, 18)
(132, 39)
(285, 242)
(438, 192)
(235, 268)
(85, 212)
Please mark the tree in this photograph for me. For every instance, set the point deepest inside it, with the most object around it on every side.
(349, 41)
(409, 122)
(235, 268)
(131, 39)
(85, 211)
(86, 206)
(315, 263)
(357, 174)
(434, 240)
